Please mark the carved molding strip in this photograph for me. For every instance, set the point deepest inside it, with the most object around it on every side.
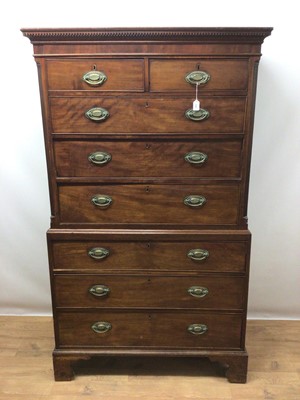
(254, 35)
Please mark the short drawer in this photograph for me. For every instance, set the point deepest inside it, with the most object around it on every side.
(113, 291)
(146, 158)
(115, 74)
(145, 115)
(139, 329)
(149, 204)
(170, 75)
(152, 254)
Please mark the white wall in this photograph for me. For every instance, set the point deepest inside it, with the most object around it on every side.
(274, 212)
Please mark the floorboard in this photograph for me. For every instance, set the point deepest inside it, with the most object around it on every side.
(26, 373)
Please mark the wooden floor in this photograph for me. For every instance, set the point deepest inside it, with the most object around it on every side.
(26, 372)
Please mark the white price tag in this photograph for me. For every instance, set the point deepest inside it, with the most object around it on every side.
(196, 105)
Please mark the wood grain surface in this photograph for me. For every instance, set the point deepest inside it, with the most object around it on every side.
(26, 370)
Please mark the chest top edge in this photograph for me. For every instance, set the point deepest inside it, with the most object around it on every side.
(226, 34)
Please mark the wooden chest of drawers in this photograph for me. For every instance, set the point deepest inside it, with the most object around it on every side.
(148, 246)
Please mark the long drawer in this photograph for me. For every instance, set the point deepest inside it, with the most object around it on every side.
(152, 254)
(146, 158)
(146, 115)
(122, 291)
(169, 75)
(115, 74)
(137, 329)
(149, 204)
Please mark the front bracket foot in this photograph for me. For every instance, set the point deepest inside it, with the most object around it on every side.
(63, 366)
(236, 366)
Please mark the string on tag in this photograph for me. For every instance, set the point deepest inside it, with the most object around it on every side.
(196, 103)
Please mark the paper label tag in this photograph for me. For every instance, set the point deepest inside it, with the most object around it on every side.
(196, 105)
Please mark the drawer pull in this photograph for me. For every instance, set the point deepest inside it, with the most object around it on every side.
(101, 327)
(196, 157)
(197, 329)
(99, 158)
(198, 291)
(194, 200)
(99, 290)
(101, 200)
(198, 254)
(98, 253)
(199, 115)
(97, 114)
(94, 78)
(197, 77)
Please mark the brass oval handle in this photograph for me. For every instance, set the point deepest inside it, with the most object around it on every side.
(97, 114)
(99, 290)
(98, 253)
(197, 329)
(197, 77)
(94, 78)
(194, 200)
(198, 254)
(198, 291)
(101, 200)
(199, 115)
(99, 157)
(101, 327)
(196, 157)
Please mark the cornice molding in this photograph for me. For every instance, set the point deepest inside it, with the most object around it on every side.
(252, 35)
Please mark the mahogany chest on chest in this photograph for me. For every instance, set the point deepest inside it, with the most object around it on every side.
(148, 245)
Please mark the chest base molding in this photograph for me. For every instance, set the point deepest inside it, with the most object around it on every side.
(234, 363)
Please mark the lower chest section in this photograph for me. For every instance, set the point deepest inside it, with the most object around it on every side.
(163, 290)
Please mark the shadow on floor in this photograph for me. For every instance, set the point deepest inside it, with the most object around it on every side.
(152, 366)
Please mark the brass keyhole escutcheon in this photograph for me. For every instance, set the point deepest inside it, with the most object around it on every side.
(147, 189)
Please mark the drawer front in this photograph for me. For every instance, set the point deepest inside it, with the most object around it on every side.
(151, 255)
(169, 75)
(217, 292)
(133, 329)
(206, 158)
(147, 115)
(149, 204)
(117, 74)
